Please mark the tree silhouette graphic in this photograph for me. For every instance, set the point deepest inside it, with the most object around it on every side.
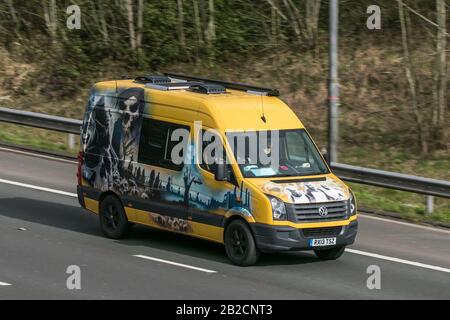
(188, 180)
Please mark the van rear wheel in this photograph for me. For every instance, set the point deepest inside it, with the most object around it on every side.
(113, 220)
(330, 254)
(240, 244)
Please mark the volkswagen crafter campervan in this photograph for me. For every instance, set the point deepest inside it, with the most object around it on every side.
(221, 161)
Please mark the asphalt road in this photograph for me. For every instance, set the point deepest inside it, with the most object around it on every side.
(414, 261)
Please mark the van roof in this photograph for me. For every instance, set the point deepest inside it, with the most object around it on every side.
(235, 110)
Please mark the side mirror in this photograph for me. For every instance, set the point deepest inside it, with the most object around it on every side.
(222, 173)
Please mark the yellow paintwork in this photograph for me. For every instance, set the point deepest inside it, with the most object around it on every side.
(91, 205)
(316, 224)
(234, 111)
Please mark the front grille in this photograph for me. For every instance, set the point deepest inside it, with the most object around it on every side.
(310, 212)
(322, 232)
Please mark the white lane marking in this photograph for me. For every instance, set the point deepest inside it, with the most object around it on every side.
(4, 284)
(174, 263)
(411, 263)
(37, 155)
(407, 224)
(30, 186)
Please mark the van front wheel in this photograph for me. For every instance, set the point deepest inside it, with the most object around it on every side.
(240, 244)
(113, 220)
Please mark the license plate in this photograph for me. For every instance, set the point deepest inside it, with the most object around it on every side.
(322, 242)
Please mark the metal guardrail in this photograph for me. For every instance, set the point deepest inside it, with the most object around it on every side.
(373, 177)
(39, 120)
(392, 180)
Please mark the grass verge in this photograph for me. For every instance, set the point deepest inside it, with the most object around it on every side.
(36, 138)
(409, 206)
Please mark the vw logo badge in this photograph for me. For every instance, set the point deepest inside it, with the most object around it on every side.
(323, 211)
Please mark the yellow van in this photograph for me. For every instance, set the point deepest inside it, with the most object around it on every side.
(221, 161)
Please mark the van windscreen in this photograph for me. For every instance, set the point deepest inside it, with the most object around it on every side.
(279, 153)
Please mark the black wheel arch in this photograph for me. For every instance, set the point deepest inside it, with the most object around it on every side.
(238, 217)
(108, 193)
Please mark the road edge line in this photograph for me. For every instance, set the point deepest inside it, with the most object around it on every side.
(30, 186)
(174, 263)
(404, 223)
(398, 260)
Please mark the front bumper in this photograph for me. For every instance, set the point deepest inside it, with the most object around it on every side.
(283, 238)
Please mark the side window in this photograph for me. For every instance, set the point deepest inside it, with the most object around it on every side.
(209, 164)
(155, 145)
(212, 167)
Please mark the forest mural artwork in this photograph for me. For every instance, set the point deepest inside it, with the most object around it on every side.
(110, 143)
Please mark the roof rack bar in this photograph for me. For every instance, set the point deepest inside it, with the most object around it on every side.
(153, 79)
(229, 85)
(162, 87)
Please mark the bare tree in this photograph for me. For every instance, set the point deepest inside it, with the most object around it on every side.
(14, 17)
(13, 12)
(312, 20)
(99, 19)
(305, 26)
(135, 28)
(180, 24)
(131, 30)
(50, 17)
(197, 22)
(211, 29)
(412, 79)
(440, 73)
(275, 27)
(140, 23)
(294, 18)
(104, 25)
(276, 9)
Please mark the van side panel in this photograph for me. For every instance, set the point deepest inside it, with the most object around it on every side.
(181, 201)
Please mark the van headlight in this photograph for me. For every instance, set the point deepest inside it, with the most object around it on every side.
(278, 208)
(352, 204)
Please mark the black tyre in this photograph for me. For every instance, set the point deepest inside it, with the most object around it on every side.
(240, 244)
(113, 220)
(330, 254)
